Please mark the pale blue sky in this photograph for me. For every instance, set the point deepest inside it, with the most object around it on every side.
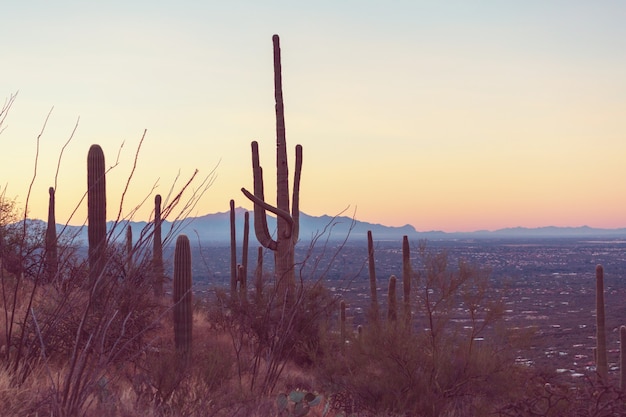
(450, 115)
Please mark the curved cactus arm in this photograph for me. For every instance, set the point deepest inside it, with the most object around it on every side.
(260, 221)
(295, 206)
(281, 213)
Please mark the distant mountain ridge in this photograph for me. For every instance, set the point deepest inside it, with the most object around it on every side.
(216, 228)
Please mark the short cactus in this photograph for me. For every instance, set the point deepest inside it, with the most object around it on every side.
(51, 258)
(96, 215)
(182, 296)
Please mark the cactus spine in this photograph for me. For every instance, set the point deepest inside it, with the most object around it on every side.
(51, 259)
(372, 272)
(96, 215)
(601, 361)
(182, 297)
(287, 224)
(157, 250)
(406, 280)
(392, 305)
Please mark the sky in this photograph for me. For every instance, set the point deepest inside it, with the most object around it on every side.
(451, 115)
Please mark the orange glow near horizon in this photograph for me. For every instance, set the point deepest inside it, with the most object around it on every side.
(442, 118)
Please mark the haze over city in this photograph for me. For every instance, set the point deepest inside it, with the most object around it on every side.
(454, 116)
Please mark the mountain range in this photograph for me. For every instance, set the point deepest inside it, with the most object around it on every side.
(215, 228)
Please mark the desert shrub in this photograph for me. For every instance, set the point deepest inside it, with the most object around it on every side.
(266, 333)
(548, 395)
(454, 360)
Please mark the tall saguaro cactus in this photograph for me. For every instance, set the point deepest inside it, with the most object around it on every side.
(51, 259)
(601, 360)
(129, 250)
(233, 252)
(96, 215)
(157, 250)
(406, 280)
(372, 273)
(183, 318)
(622, 358)
(287, 221)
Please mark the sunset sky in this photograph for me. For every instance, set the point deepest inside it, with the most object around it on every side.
(447, 115)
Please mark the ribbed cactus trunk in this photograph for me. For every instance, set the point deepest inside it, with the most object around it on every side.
(406, 280)
(601, 360)
(158, 274)
(183, 317)
(622, 358)
(243, 270)
(287, 220)
(51, 258)
(342, 323)
(233, 253)
(258, 274)
(372, 272)
(392, 304)
(96, 218)
(129, 251)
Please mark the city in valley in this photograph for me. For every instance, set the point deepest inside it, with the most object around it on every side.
(548, 286)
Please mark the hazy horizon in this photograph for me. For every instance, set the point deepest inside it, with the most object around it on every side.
(452, 117)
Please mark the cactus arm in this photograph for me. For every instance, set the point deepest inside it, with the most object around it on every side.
(260, 221)
(295, 207)
(280, 213)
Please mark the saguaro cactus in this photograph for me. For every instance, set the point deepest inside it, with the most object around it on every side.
(622, 358)
(51, 259)
(342, 322)
(243, 271)
(233, 252)
(372, 272)
(258, 274)
(129, 250)
(238, 272)
(157, 250)
(601, 361)
(182, 296)
(287, 224)
(406, 280)
(96, 214)
(392, 305)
